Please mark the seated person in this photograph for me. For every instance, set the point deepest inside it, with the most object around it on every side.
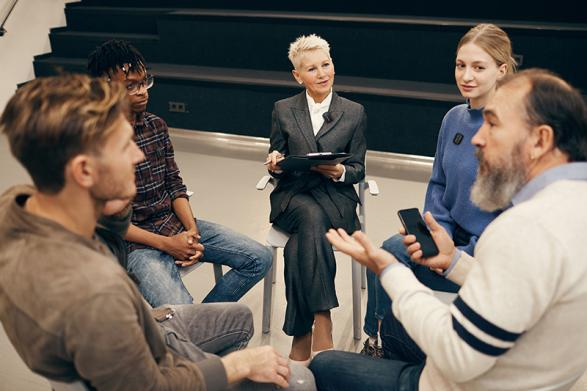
(165, 235)
(509, 327)
(484, 56)
(68, 308)
(306, 204)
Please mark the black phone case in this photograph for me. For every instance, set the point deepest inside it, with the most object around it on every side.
(414, 225)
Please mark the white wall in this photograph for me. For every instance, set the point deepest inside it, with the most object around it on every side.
(28, 35)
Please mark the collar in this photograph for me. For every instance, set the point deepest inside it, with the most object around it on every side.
(576, 171)
(474, 112)
(313, 106)
(139, 119)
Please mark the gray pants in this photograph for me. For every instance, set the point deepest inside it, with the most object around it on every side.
(199, 331)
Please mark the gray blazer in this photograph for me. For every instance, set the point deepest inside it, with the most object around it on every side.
(292, 134)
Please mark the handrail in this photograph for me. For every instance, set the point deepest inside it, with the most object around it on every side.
(5, 18)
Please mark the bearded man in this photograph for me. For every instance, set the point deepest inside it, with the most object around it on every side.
(518, 320)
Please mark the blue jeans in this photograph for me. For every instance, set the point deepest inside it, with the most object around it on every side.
(399, 370)
(378, 302)
(160, 281)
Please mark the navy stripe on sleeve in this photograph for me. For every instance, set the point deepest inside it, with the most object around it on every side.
(483, 324)
(475, 342)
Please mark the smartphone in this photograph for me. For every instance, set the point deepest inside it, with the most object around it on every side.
(414, 225)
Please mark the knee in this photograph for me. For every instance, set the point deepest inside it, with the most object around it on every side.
(395, 245)
(259, 261)
(322, 365)
(265, 259)
(243, 314)
(301, 378)
(313, 217)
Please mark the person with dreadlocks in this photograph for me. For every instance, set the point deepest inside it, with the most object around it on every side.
(164, 235)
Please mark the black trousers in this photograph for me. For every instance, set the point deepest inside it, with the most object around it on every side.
(310, 265)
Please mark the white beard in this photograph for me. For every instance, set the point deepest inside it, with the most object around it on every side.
(495, 187)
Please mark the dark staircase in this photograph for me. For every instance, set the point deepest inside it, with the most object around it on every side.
(226, 67)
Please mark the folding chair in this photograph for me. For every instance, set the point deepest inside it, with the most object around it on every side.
(277, 238)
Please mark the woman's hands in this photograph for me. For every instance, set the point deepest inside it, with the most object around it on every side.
(333, 172)
(273, 159)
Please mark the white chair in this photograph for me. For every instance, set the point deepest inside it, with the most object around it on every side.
(184, 271)
(276, 238)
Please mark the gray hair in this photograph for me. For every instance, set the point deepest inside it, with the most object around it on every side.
(304, 44)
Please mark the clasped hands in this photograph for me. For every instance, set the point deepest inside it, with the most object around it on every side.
(328, 170)
(376, 259)
(185, 247)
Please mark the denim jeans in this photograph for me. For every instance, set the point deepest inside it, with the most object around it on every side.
(378, 302)
(200, 331)
(400, 369)
(160, 281)
(340, 371)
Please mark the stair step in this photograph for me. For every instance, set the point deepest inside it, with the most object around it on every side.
(561, 10)
(404, 116)
(79, 44)
(357, 85)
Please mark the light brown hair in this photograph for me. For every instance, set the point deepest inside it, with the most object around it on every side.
(494, 41)
(51, 120)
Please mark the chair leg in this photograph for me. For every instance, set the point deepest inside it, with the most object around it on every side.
(217, 272)
(363, 277)
(268, 282)
(356, 288)
(274, 271)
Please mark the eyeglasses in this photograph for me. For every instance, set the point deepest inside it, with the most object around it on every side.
(134, 87)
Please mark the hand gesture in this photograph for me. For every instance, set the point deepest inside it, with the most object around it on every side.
(446, 248)
(330, 171)
(360, 248)
(261, 364)
(272, 159)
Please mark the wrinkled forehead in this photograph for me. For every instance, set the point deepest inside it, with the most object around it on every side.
(509, 100)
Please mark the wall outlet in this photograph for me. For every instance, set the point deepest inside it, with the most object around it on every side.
(178, 107)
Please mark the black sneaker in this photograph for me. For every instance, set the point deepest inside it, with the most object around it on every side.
(372, 350)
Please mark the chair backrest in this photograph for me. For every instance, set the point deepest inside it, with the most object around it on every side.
(75, 386)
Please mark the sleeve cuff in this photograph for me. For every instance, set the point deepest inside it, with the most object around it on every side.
(461, 268)
(341, 179)
(179, 194)
(455, 258)
(397, 279)
(390, 267)
(214, 373)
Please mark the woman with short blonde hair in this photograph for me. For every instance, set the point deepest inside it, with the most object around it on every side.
(306, 204)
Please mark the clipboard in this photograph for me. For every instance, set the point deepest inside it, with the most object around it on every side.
(305, 162)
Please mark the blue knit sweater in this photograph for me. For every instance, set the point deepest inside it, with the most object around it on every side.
(453, 174)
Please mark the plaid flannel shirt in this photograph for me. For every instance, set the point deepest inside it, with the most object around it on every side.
(157, 179)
